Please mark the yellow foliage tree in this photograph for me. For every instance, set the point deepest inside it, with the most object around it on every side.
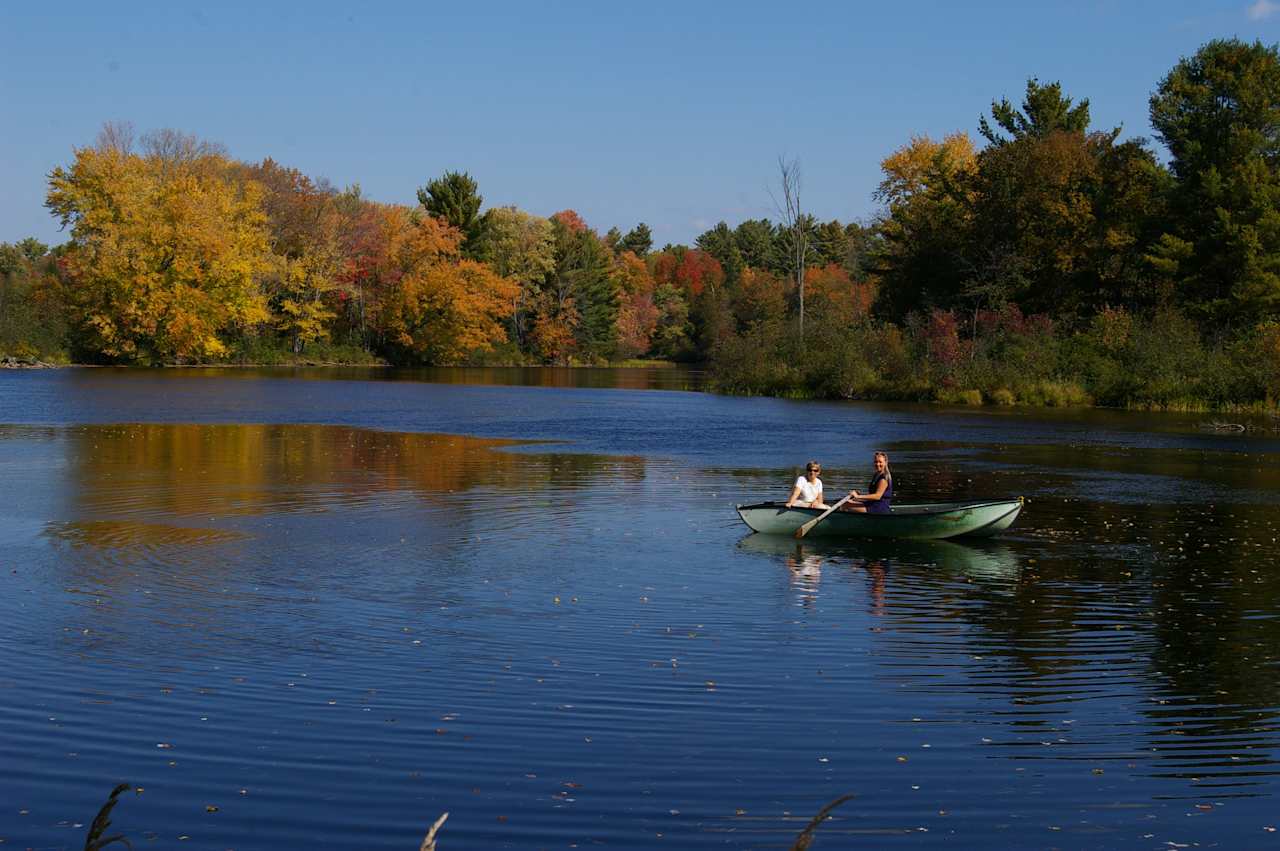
(298, 286)
(165, 253)
(923, 164)
(303, 222)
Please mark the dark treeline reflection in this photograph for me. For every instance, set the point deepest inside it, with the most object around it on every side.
(1138, 588)
(669, 377)
(1177, 546)
(609, 378)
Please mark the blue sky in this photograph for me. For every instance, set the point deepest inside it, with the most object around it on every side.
(673, 114)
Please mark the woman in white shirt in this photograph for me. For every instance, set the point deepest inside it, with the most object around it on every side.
(807, 492)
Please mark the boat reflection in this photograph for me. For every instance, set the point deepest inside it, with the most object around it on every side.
(979, 559)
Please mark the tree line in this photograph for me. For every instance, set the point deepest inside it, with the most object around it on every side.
(1046, 262)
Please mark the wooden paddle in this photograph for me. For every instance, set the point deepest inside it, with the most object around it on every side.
(804, 530)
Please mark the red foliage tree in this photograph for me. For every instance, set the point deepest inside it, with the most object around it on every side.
(571, 220)
(699, 271)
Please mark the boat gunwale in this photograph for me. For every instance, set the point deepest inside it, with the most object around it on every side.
(942, 507)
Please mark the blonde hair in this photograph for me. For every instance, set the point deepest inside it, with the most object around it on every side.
(888, 474)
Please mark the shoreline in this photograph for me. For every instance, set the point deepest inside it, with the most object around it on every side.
(1243, 409)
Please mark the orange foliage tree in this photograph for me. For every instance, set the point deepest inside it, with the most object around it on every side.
(444, 311)
(637, 313)
(441, 307)
(837, 296)
(763, 297)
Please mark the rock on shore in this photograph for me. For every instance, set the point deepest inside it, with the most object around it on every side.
(11, 362)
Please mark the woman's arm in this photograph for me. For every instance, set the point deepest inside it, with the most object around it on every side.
(795, 493)
(880, 489)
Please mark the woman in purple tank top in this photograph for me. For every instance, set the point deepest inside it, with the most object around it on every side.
(879, 496)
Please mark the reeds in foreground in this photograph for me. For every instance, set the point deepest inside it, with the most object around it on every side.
(429, 843)
(805, 839)
(97, 840)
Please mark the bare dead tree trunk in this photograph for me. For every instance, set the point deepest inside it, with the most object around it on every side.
(792, 214)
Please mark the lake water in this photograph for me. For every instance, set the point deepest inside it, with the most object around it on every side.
(320, 608)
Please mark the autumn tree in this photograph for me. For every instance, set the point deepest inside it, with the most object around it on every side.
(697, 272)
(925, 230)
(836, 298)
(637, 313)
(674, 333)
(165, 253)
(442, 307)
(692, 279)
(763, 298)
(441, 313)
(370, 240)
(306, 256)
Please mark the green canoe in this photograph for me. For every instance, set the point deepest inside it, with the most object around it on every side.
(932, 520)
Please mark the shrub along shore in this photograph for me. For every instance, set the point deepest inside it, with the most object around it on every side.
(1157, 362)
(1045, 262)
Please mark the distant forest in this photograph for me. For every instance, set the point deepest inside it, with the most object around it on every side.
(1046, 262)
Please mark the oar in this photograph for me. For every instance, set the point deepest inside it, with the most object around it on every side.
(804, 530)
